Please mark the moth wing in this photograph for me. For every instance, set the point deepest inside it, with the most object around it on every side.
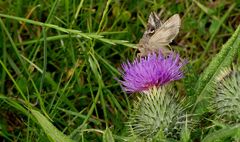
(153, 21)
(166, 33)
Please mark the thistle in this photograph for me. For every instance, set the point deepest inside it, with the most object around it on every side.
(153, 70)
(158, 114)
(226, 102)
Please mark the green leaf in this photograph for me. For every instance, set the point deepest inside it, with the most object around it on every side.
(223, 59)
(222, 133)
(51, 131)
(214, 26)
(107, 136)
(185, 134)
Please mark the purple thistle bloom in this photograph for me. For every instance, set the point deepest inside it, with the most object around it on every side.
(153, 70)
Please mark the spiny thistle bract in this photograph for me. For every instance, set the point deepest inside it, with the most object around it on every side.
(226, 101)
(158, 112)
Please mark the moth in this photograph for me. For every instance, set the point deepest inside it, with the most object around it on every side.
(158, 35)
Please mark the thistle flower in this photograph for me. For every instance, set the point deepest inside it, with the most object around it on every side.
(158, 114)
(226, 102)
(153, 70)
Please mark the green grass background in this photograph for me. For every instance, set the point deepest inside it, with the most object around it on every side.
(61, 58)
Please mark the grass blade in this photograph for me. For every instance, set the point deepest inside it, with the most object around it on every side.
(49, 128)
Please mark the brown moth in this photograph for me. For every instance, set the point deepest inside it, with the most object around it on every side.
(158, 35)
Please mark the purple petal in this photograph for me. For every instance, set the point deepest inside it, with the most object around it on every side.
(153, 70)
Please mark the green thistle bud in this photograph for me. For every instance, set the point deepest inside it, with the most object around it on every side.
(226, 102)
(157, 114)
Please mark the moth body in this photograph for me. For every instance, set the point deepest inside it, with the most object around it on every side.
(158, 35)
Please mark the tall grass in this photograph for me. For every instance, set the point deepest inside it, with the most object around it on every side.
(59, 60)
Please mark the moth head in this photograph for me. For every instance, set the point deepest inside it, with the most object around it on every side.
(154, 23)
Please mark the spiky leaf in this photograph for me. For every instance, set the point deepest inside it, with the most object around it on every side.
(223, 59)
(222, 133)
